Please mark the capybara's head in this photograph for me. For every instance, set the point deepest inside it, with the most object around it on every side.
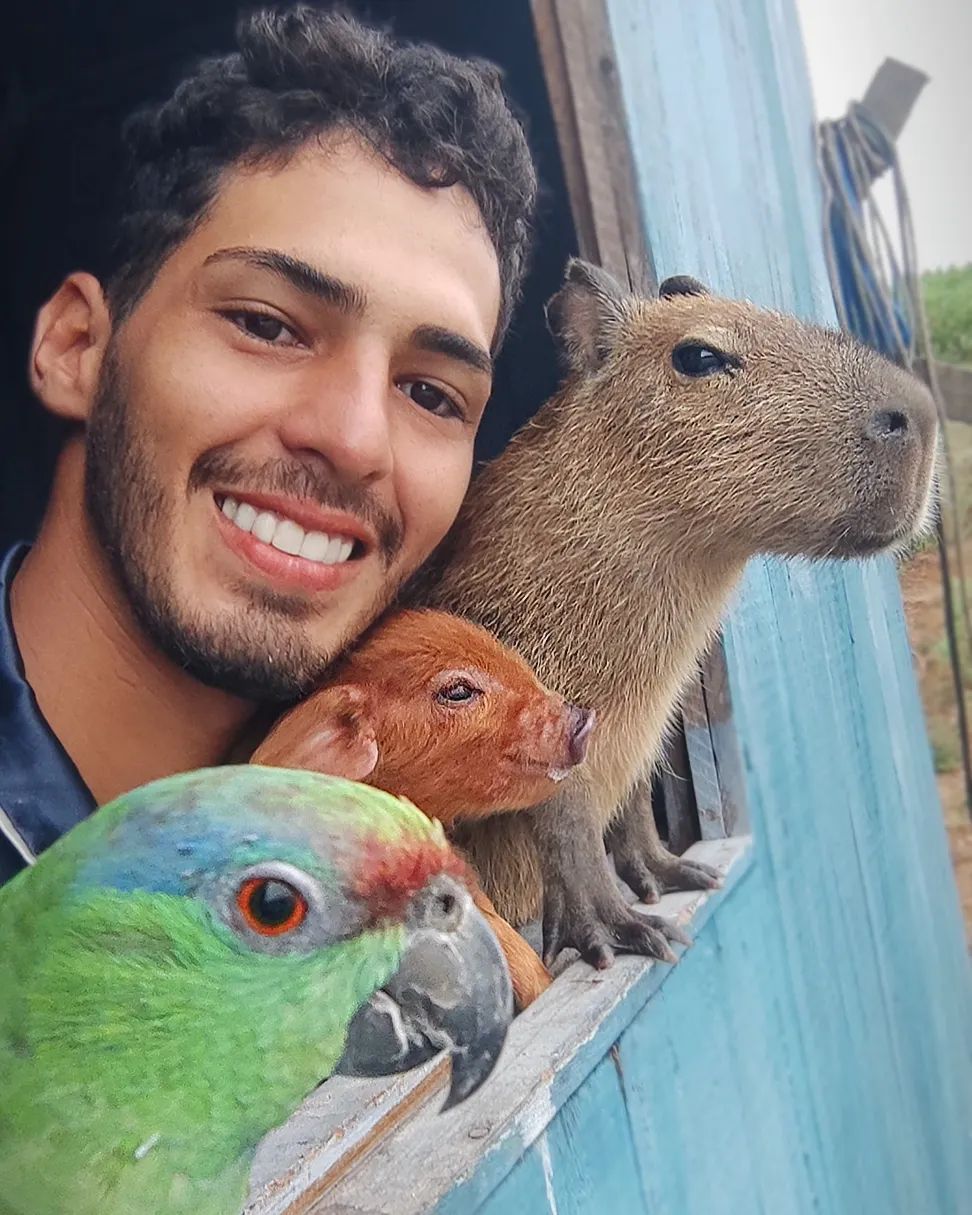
(749, 430)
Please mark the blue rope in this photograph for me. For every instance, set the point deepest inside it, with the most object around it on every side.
(877, 308)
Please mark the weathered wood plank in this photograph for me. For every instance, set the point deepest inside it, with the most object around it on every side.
(578, 58)
(584, 1164)
(726, 747)
(675, 779)
(815, 886)
(529, 1186)
(702, 762)
(910, 891)
(335, 1128)
(557, 73)
(683, 1100)
(771, 1103)
(593, 1164)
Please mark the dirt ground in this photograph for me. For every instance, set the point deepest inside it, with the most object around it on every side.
(923, 594)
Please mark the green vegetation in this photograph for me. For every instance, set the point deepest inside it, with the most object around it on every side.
(946, 754)
(948, 303)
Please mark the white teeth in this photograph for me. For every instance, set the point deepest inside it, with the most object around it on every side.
(264, 526)
(245, 517)
(315, 546)
(286, 535)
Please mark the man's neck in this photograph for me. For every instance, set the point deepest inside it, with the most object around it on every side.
(123, 711)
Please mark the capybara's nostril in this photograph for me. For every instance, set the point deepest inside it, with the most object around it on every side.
(888, 424)
(581, 725)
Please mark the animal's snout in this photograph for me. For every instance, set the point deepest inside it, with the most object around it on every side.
(890, 492)
(580, 725)
(889, 425)
(903, 418)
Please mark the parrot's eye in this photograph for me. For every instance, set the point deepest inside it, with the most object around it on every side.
(458, 692)
(271, 907)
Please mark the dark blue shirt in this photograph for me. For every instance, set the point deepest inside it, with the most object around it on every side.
(42, 794)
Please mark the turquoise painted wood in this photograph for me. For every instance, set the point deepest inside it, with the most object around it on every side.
(813, 1051)
(588, 1151)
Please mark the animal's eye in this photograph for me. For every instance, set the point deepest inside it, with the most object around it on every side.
(271, 907)
(694, 359)
(459, 692)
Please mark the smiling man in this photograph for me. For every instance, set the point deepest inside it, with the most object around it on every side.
(273, 399)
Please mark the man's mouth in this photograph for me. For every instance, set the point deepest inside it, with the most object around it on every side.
(288, 536)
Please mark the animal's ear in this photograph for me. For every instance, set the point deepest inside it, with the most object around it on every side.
(330, 732)
(681, 284)
(585, 314)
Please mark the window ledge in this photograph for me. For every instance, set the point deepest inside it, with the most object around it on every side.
(350, 1136)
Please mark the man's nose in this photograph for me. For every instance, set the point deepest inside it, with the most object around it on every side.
(343, 419)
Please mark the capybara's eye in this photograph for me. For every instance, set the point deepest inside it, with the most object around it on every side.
(459, 692)
(695, 360)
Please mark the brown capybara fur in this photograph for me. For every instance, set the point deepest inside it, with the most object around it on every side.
(433, 708)
(692, 433)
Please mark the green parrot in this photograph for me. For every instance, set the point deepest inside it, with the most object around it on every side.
(181, 969)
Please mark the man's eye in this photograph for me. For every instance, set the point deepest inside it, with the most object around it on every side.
(434, 400)
(264, 327)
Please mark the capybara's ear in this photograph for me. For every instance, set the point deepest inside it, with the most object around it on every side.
(329, 732)
(681, 284)
(584, 315)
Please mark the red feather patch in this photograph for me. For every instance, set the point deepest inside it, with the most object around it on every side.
(388, 877)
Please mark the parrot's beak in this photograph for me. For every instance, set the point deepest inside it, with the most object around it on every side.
(451, 992)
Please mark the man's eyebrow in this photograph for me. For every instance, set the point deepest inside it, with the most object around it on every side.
(305, 277)
(352, 301)
(453, 345)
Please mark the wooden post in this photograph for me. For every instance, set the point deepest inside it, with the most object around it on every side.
(575, 44)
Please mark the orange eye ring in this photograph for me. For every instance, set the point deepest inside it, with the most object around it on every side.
(270, 906)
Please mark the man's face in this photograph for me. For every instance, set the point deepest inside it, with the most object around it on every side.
(284, 425)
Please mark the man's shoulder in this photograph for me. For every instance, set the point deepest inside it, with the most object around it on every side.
(10, 559)
(42, 794)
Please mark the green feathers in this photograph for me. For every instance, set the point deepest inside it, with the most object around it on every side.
(179, 971)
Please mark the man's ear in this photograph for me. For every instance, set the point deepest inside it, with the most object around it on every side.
(329, 732)
(71, 335)
(585, 315)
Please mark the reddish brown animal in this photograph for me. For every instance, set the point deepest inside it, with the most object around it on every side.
(433, 708)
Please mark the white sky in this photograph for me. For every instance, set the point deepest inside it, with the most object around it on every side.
(846, 42)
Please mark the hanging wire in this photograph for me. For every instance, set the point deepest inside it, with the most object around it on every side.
(877, 292)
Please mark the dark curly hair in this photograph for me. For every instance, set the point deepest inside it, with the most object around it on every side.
(300, 72)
